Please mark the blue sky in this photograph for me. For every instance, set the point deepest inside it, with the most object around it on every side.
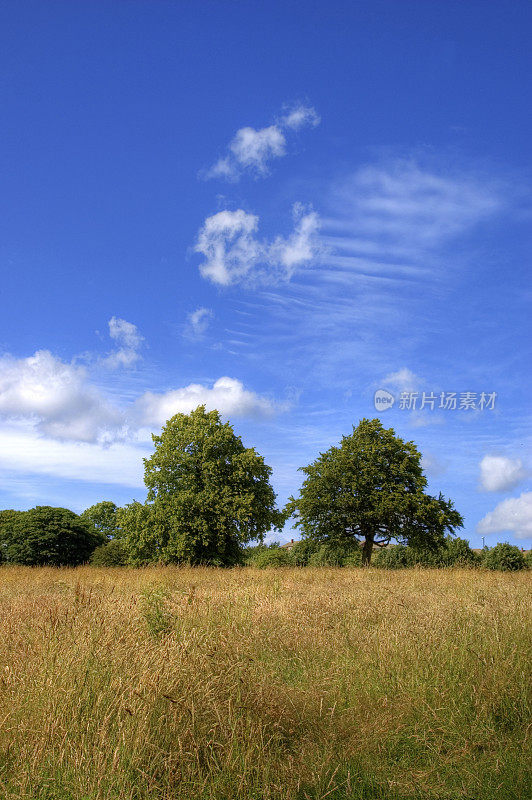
(276, 209)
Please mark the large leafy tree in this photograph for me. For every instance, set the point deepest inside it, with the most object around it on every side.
(103, 517)
(208, 495)
(371, 489)
(46, 536)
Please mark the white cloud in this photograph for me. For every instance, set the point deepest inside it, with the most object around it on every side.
(227, 395)
(23, 450)
(57, 397)
(299, 116)
(253, 149)
(512, 515)
(228, 244)
(300, 247)
(401, 203)
(127, 336)
(499, 473)
(197, 322)
(404, 380)
(233, 252)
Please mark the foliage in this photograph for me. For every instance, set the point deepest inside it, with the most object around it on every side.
(456, 552)
(302, 552)
(398, 556)
(47, 536)
(505, 557)
(528, 559)
(208, 495)
(249, 553)
(272, 557)
(336, 555)
(7, 518)
(143, 532)
(103, 517)
(452, 553)
(371, 489)
(110, 554)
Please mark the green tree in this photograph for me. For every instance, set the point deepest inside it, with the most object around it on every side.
(504, 556)
(371, 489)
(47, 536)
(103, 517)
(208, 495)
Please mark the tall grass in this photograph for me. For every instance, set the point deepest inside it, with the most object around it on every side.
(120, 684)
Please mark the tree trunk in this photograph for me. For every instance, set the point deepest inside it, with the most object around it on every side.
(367, 549)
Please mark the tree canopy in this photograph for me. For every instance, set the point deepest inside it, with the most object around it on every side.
(208, 495)
(46, 536)
(371, 489)
(103, 517)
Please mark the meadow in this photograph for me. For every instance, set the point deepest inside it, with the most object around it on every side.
(279, 684)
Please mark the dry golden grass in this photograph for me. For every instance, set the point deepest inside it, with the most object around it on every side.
(312, 683)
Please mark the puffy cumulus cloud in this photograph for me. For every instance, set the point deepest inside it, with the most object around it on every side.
(227, 395)
(301, 245)
(57, 397)
(233, 253)
(197, 322)
(500, 473)
(227, 241)
(513, 515)
(129, 341)
(252, 150)
(43, 399)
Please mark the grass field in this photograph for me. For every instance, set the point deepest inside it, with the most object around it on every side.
(312, 683)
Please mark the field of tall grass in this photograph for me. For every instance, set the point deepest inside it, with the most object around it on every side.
(212, 684)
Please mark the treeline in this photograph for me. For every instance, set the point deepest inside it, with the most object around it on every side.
(209, 498)
(47, 536)
(454, 552)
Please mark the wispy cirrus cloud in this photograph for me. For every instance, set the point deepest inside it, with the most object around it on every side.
(404, 380)
(252, 150)
(385, 253)
(233, 252)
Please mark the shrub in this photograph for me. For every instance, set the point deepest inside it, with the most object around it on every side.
(504, 556)
(335, 555)
(110, 554)
(302, 551)
(354, 559)
(457, 553)
(528, 559)
(454, 552)
(272, 557)
(396, 557)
